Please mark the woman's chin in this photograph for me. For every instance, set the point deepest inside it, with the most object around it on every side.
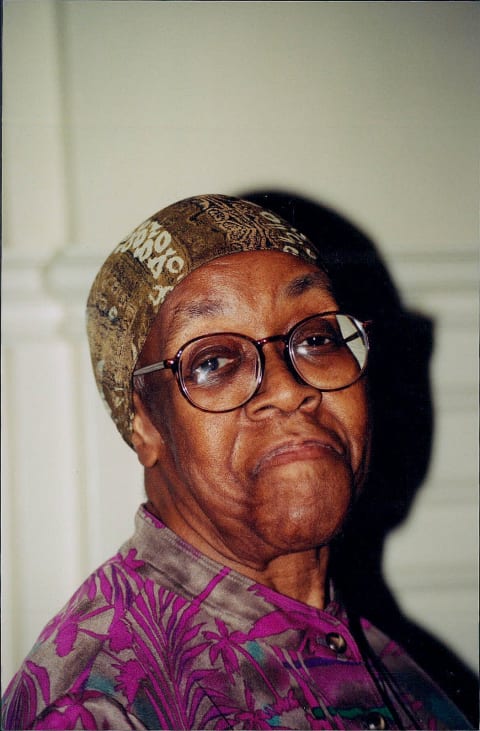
(305, 512)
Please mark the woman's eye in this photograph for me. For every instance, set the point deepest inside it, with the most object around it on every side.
(316, 341)
(202, 371)
(319, 340)
(319, 343)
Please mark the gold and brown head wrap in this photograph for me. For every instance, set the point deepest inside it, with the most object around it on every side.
(135, 279)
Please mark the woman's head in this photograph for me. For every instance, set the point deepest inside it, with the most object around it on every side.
(145, 267)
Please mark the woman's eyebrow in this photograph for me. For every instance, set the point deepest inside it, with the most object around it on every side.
(184, 312)
(305, 282)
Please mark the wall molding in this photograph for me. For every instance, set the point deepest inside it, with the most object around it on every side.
(66, 278)
(436, 271)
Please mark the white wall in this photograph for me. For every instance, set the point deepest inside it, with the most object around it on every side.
(111, 111)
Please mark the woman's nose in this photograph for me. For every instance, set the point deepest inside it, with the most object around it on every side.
(281, 388)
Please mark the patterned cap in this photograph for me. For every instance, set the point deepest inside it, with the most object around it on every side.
(135, 279)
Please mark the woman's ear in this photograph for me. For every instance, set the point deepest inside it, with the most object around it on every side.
(146, 438)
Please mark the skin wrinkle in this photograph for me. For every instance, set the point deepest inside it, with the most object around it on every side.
(273, 524)
(187, 311)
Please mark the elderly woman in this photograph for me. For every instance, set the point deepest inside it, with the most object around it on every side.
(218, 345)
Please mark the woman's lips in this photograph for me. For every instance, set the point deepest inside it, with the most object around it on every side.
(298, 451)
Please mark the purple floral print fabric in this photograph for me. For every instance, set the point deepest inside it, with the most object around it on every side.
(161, 637)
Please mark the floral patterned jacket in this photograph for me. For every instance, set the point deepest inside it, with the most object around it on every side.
(161, 637)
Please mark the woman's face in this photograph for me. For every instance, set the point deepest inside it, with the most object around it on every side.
(276, 475)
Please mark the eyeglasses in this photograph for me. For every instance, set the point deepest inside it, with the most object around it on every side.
(222, 371)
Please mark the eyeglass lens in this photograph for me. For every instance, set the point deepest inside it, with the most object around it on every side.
(221, 372)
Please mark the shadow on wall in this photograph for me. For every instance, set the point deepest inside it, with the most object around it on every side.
(403, 424)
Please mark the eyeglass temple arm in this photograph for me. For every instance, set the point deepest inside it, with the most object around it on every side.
(154, 367)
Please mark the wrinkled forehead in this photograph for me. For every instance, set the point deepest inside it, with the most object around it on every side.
(236, 289)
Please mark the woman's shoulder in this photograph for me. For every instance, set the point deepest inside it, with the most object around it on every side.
(77, 650)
